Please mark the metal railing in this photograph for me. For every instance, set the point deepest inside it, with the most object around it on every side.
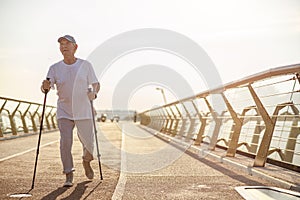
(24, 116)
(257, 116)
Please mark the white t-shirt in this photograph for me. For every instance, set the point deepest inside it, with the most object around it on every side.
(72, 83)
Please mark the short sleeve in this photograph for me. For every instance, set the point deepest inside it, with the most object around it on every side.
(92, 78)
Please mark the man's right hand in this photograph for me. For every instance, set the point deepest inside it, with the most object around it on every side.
(46, 85)
(92, 95)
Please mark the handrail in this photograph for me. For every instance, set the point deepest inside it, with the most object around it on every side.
(268, 124)
(23, 116)
(289, 69)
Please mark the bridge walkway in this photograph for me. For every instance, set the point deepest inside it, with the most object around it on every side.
(152, 167)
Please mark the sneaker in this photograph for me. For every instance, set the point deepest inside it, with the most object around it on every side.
(88, 170)
(69, 180)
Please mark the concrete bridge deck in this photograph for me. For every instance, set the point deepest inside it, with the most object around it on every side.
(148, 170)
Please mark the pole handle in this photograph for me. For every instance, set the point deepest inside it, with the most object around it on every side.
(48, 79)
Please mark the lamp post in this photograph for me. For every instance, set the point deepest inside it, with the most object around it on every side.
(163, 93)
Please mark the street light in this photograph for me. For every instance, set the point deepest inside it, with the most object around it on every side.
(163, 93)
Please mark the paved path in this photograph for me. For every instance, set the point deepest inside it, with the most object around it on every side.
(135, 165)
(16, 172)
(155, 169)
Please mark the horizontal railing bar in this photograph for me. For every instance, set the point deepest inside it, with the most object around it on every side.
(275, 83)
(28, 102)
(282, 93)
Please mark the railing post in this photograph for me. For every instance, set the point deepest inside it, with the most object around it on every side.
(192, 124)
(255, 138)
(262, 153)
(23, 119)
(169, 130)
(183, 124)
(200, 134)
(1, 125)
(174, 130)
(234, 139)
(160, 121)
(48, 122)
(165, 129)
(202, 126)
(157, 120)
(24, 124)
(263, 150)
(12, 124)
(218, 123)
(12, 121)
(257, 131)
(291, 143)
(292, 138)
(177, 119)
(47, 119)
(153, 120)
(53, 120)
(32, 116)
(163, 121)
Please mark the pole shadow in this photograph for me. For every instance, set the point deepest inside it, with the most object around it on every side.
(75, 195)
(92, 191)
(54, 194)
(78, 191)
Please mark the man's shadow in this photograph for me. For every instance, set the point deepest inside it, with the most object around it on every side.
(76, 194)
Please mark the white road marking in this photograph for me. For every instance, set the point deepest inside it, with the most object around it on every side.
(120, 188)
(23, 152)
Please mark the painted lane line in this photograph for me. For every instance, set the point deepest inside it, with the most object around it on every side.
(27, 151)
(120, 188)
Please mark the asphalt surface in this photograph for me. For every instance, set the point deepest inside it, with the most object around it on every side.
(16, 172)
(135, 165)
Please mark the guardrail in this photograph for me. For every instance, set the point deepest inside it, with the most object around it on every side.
(24, 116)
(257, 116)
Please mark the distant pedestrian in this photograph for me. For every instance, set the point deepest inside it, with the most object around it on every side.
(134, 116)
(72, 77)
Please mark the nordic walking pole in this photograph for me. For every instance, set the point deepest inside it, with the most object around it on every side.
(95, 130)
(39, 140)
(27, 194)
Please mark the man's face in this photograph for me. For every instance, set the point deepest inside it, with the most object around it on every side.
(67, 48)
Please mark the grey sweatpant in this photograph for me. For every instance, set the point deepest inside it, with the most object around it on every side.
(86, 136)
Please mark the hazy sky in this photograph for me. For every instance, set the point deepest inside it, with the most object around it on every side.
(241, 37)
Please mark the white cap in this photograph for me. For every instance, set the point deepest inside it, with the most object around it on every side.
(67, 37)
